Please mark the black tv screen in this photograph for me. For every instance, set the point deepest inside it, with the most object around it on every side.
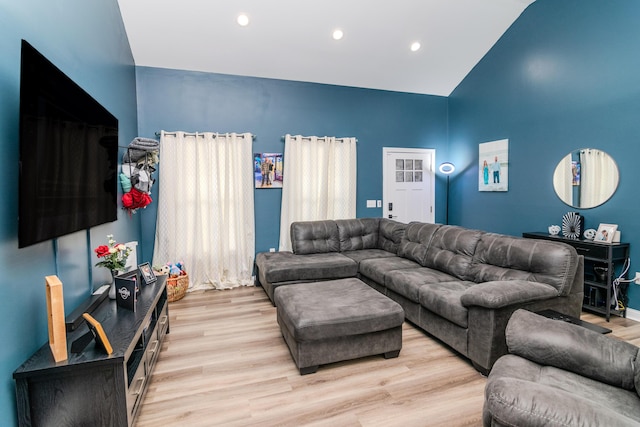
(68, 154)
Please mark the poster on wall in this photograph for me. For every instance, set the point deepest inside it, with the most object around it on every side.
(494, 166)
(575, 173)
(267, 170)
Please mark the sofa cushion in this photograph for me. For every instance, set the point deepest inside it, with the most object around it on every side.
(407, 282)
(415, 242)
(499, 257)
(377, 269)
(363, 254)
(390, 234)
(314, 237)
(443, 299)
(277, 267)
(451, 250)
(358, 233)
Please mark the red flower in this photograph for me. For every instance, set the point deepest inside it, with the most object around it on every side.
(102, 250)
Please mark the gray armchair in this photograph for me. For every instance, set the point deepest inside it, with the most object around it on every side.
(559, 374)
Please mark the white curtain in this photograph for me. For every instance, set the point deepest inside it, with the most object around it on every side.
(319, 181)
(205, 207)
(599, 177)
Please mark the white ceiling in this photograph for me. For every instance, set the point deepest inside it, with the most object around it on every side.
(291, 39)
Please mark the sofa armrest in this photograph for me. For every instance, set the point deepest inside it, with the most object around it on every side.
(503, 293)
(572, 348)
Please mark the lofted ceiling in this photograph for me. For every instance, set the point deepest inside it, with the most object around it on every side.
(292, 39)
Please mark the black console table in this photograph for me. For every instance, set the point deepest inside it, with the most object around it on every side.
(91, 388)
(608, 258)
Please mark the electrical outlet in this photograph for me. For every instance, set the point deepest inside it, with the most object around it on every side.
(636, 280)
(272, 249)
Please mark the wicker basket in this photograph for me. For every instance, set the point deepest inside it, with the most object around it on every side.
(177, 287)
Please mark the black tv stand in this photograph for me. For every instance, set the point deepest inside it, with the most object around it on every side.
(92, 388)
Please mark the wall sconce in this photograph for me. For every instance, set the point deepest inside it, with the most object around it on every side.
(447, 168)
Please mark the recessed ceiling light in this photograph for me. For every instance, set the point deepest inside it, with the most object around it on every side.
(337, 34)
(415, 46)
(243, 20)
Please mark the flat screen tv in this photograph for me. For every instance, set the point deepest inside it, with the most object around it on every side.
(68, 154)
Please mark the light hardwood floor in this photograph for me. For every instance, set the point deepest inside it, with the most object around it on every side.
(225, 363)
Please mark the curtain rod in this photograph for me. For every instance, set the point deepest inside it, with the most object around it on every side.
(202, 133)
(319, 137)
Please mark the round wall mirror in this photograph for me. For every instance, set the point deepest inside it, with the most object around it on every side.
(586, 178)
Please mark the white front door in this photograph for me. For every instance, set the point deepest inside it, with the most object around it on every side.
(408, 192)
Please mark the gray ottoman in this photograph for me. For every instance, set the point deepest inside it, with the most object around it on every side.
(331, 321)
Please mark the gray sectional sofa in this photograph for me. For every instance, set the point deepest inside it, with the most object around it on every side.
(457, 284)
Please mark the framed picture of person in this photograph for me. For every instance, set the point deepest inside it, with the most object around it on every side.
(493, 166)
(267, 170)
(146, 273)
(605, 233)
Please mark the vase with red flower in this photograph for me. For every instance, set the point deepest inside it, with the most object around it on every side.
(113, 256)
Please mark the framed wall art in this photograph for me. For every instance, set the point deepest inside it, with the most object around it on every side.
(494, 166)
(267, 169)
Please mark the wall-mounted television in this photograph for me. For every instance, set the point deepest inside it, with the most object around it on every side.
(68, 154)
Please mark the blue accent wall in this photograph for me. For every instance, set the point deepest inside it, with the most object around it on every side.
(564, 76)
(193, 101)
(88, 42)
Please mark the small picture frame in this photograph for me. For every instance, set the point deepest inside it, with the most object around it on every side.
(605, 233)
(146, 272)
(102, 342)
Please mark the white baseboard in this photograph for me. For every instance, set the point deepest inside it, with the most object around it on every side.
(633, 314)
